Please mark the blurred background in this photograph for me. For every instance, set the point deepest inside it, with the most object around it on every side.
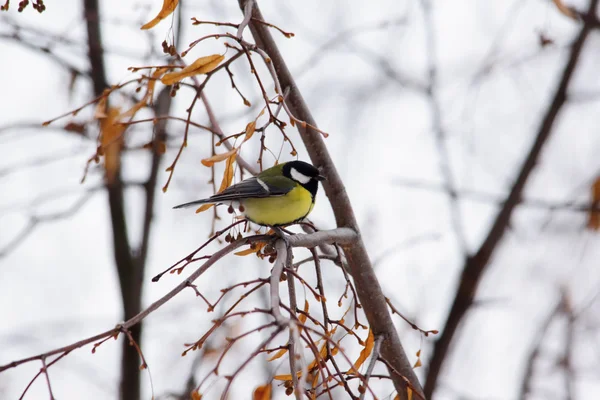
(466, 133)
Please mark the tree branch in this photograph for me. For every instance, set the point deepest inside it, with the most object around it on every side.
(367, 285)
(130, 270)
(136, 319)
(341, 236)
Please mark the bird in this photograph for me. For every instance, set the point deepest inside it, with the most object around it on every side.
(281, 195)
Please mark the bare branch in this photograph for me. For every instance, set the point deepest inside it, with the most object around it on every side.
(45, 371)
(294, 336)
(367, 285)
(149, 310)
(275, 278)
(371, 367)
(246, 20)
(214, 122)
(341, 236)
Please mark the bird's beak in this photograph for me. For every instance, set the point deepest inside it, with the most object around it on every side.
(320, 178)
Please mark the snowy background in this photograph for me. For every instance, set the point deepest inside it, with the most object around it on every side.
(363, 68)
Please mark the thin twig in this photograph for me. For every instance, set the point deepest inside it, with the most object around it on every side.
(374, 357)
(45, 371)
(149, 310)
(294, 334)
(216, 126)
(275, 278)
(246, 20)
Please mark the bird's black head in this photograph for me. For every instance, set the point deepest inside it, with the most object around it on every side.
(305, 174)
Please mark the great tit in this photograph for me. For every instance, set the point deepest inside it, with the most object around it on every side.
(281, 195)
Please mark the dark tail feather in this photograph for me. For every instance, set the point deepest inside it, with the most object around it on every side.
(194, 203)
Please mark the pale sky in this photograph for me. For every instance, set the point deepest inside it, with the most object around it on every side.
(361, 68)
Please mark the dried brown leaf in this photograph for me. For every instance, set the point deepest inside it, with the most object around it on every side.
(262, 393)
(203, 208)
(203, 65)
(250, 128)
(277, 355)
(210, 161)
(364, 354)
(287, 377)
(167, 9)
(75, 127)
(302, 317)
(228, 174)
(111, 140)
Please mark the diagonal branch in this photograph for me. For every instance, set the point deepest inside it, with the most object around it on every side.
(367, 285)
(139, 317)
(476, 264)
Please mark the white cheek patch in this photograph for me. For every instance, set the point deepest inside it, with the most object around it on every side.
(263, 184)
(299, 176)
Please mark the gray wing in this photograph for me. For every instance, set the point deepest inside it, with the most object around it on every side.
(248, 188)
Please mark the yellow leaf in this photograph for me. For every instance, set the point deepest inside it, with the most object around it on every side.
(147, 97)
(133, 110)
(203, 65)
(321, 356)
(228, 174)
(565, 10)
(246, 252)
(210, 161)
(203, 208)
(277, 355)
(315, 382)
(111, 141)
(157, 74)
(397, 397)
(250, 128)
(417, 363)
(257, 247)
(311, 366)
(167, 9)
(302, 317)
(594, 216)
(364, 354)
(409, 393)
(262, 393)
(287, 377)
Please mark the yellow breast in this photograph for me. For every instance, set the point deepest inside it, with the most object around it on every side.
(280, 210)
